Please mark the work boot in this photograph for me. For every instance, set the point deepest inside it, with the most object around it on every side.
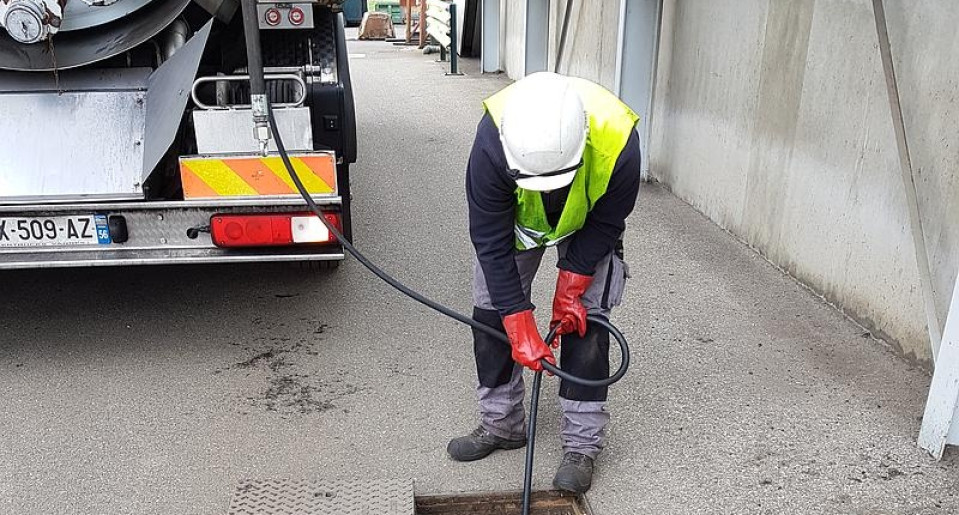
(575, 474)
(479, 444)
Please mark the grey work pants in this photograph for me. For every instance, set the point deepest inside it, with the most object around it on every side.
(501, 407)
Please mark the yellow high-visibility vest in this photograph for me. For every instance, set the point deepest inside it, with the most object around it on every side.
(610, 124)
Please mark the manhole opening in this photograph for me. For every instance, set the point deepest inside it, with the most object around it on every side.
(508, 503)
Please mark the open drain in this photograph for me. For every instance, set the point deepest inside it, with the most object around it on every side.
(543, 503)
(386, 497)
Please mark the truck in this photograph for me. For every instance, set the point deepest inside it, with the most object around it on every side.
(126, 133)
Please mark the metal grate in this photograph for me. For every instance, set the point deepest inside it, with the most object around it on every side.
(335, 497)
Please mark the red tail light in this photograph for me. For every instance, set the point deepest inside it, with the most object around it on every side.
(271, 229)
(297, 16)
(273, 16)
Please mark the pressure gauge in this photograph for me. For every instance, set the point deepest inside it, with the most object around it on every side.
(24, 22)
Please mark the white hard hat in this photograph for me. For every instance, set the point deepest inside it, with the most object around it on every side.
(543, 131)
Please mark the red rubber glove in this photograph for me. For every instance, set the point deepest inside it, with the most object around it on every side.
(568, 311)
(528, 346)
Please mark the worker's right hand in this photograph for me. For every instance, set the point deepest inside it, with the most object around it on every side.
(528, 346)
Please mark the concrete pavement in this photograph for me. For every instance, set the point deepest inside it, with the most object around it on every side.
(154, 390)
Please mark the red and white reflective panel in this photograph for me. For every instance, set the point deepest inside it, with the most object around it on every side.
(270, 229)
(297, 16)
(273, 16)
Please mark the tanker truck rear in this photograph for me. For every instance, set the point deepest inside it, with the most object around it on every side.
(126, 133)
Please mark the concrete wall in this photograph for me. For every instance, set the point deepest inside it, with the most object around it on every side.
(513, 14)
(771, 117)
(591, 40)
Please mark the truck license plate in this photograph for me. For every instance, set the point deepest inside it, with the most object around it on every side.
(54, 230)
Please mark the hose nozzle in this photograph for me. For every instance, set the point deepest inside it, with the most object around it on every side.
(261, 122)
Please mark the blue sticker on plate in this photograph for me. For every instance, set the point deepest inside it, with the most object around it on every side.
(103, 230)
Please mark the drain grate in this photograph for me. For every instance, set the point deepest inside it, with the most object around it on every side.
(336, 497)
(543, 503)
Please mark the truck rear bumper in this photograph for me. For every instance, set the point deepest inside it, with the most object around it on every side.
(164, 233)
(158, 257)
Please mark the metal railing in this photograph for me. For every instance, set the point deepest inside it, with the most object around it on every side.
(441, 26)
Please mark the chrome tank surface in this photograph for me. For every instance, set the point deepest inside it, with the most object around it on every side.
(87, 33)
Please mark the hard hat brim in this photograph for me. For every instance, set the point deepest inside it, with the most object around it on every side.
(546, 183)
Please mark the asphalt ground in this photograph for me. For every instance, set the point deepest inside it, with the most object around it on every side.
(155, 390)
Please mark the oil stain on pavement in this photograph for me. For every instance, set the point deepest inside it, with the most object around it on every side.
(293, 384)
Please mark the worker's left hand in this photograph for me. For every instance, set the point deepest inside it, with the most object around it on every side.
(569, 314)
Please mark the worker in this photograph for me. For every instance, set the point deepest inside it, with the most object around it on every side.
(555, 163)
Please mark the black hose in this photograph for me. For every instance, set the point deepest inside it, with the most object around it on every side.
(531, 441)
(377, 271)
(254, 55)
(418, 297)
(402, 288)
(534, 398)
(537, 379)
(259, 101)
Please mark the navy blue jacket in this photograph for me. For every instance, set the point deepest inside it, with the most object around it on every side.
(491, 195)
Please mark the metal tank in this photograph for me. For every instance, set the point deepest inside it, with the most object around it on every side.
(43, 35)
(112, 121)
(61, 34)
(103, 101)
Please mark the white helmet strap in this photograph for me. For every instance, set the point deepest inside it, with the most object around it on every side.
(516, 174)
